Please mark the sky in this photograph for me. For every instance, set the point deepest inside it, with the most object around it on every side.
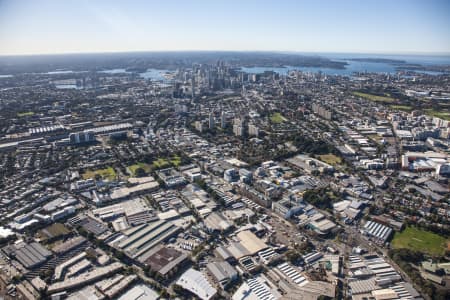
(347, 26)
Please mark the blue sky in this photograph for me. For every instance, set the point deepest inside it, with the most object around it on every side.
(364, 26)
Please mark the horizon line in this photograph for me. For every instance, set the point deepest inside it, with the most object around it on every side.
(420, 53)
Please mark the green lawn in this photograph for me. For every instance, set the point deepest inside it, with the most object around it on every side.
(406, 108)
(147, 168)
(160, 163)
(375, 98)
(277, 118)
(445, 115)
(25, 114)
(420, 240)
(107, 173)
(330, 159)
(167, 162)
(176, 161)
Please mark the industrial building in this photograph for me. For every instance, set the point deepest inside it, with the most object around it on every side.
(309, 164)
(196, 282)
(136, 211)
(29, 255)
(85, 278)
(378, 231)
(216, 222)
(138, 241)
(289, 272)
(140, 292)
(165, 261)
(257, 288)
(222, 272)
(125, 192)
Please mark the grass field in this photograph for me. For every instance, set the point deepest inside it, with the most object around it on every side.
(401, 107)
(107, 173)
(440, 114)
(52, 231)
(420, 240)
(167, 162)
(277, 118)
(147, 168)
(375, 98)
(330, 159)
(25, 114)
(161, 163)
(176, 161)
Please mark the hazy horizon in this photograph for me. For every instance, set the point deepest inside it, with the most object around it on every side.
(405, 27)
(319, 53)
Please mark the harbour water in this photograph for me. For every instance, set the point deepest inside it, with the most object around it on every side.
(152, 74)
(361, 65)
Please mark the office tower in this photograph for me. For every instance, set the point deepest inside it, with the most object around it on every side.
(223, 120)
(211, 120)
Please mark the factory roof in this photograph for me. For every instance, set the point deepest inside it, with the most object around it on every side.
(162, 259)
(196, 282)
(139, 292)
(251, 242)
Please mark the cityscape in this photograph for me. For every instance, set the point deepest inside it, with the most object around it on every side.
(224, 174)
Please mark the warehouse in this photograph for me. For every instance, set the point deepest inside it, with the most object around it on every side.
(379, 231)
(196, 282)
(165, 261)
(29, 255)
(293, 274)
(216, 222)
(134, 190)
(257, 288)
(139, 292)
(222, 272)
(139, 240)
(69, 245)
(251, 242)
(85, 278)
(312, 257)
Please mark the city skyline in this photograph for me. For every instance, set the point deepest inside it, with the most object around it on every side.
(377, 27)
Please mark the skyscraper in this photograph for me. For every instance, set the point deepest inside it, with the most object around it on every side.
(211, 120)
(223, 120)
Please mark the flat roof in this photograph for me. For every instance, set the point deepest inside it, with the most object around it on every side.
(163, 259)
(251, 242)
(196, 282)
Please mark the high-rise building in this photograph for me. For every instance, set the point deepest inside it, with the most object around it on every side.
(238, 130)
(82, 137)
(211, 121)
(193, 87)
(321, 111)
(238, 121)
(223, 120)
(253, 130)
(199, 126)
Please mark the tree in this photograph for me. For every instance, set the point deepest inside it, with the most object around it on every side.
(140, 172)
(293, 256)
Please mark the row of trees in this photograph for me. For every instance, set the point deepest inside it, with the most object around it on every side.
(321, 198)
(405, 258)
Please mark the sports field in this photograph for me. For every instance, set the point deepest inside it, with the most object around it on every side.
(107, 173)
(330, 159)
(167, 162)
(277, 118)
(445, 115)
(420, 240)
(375, 98)
(146, 167)
(25, 114)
